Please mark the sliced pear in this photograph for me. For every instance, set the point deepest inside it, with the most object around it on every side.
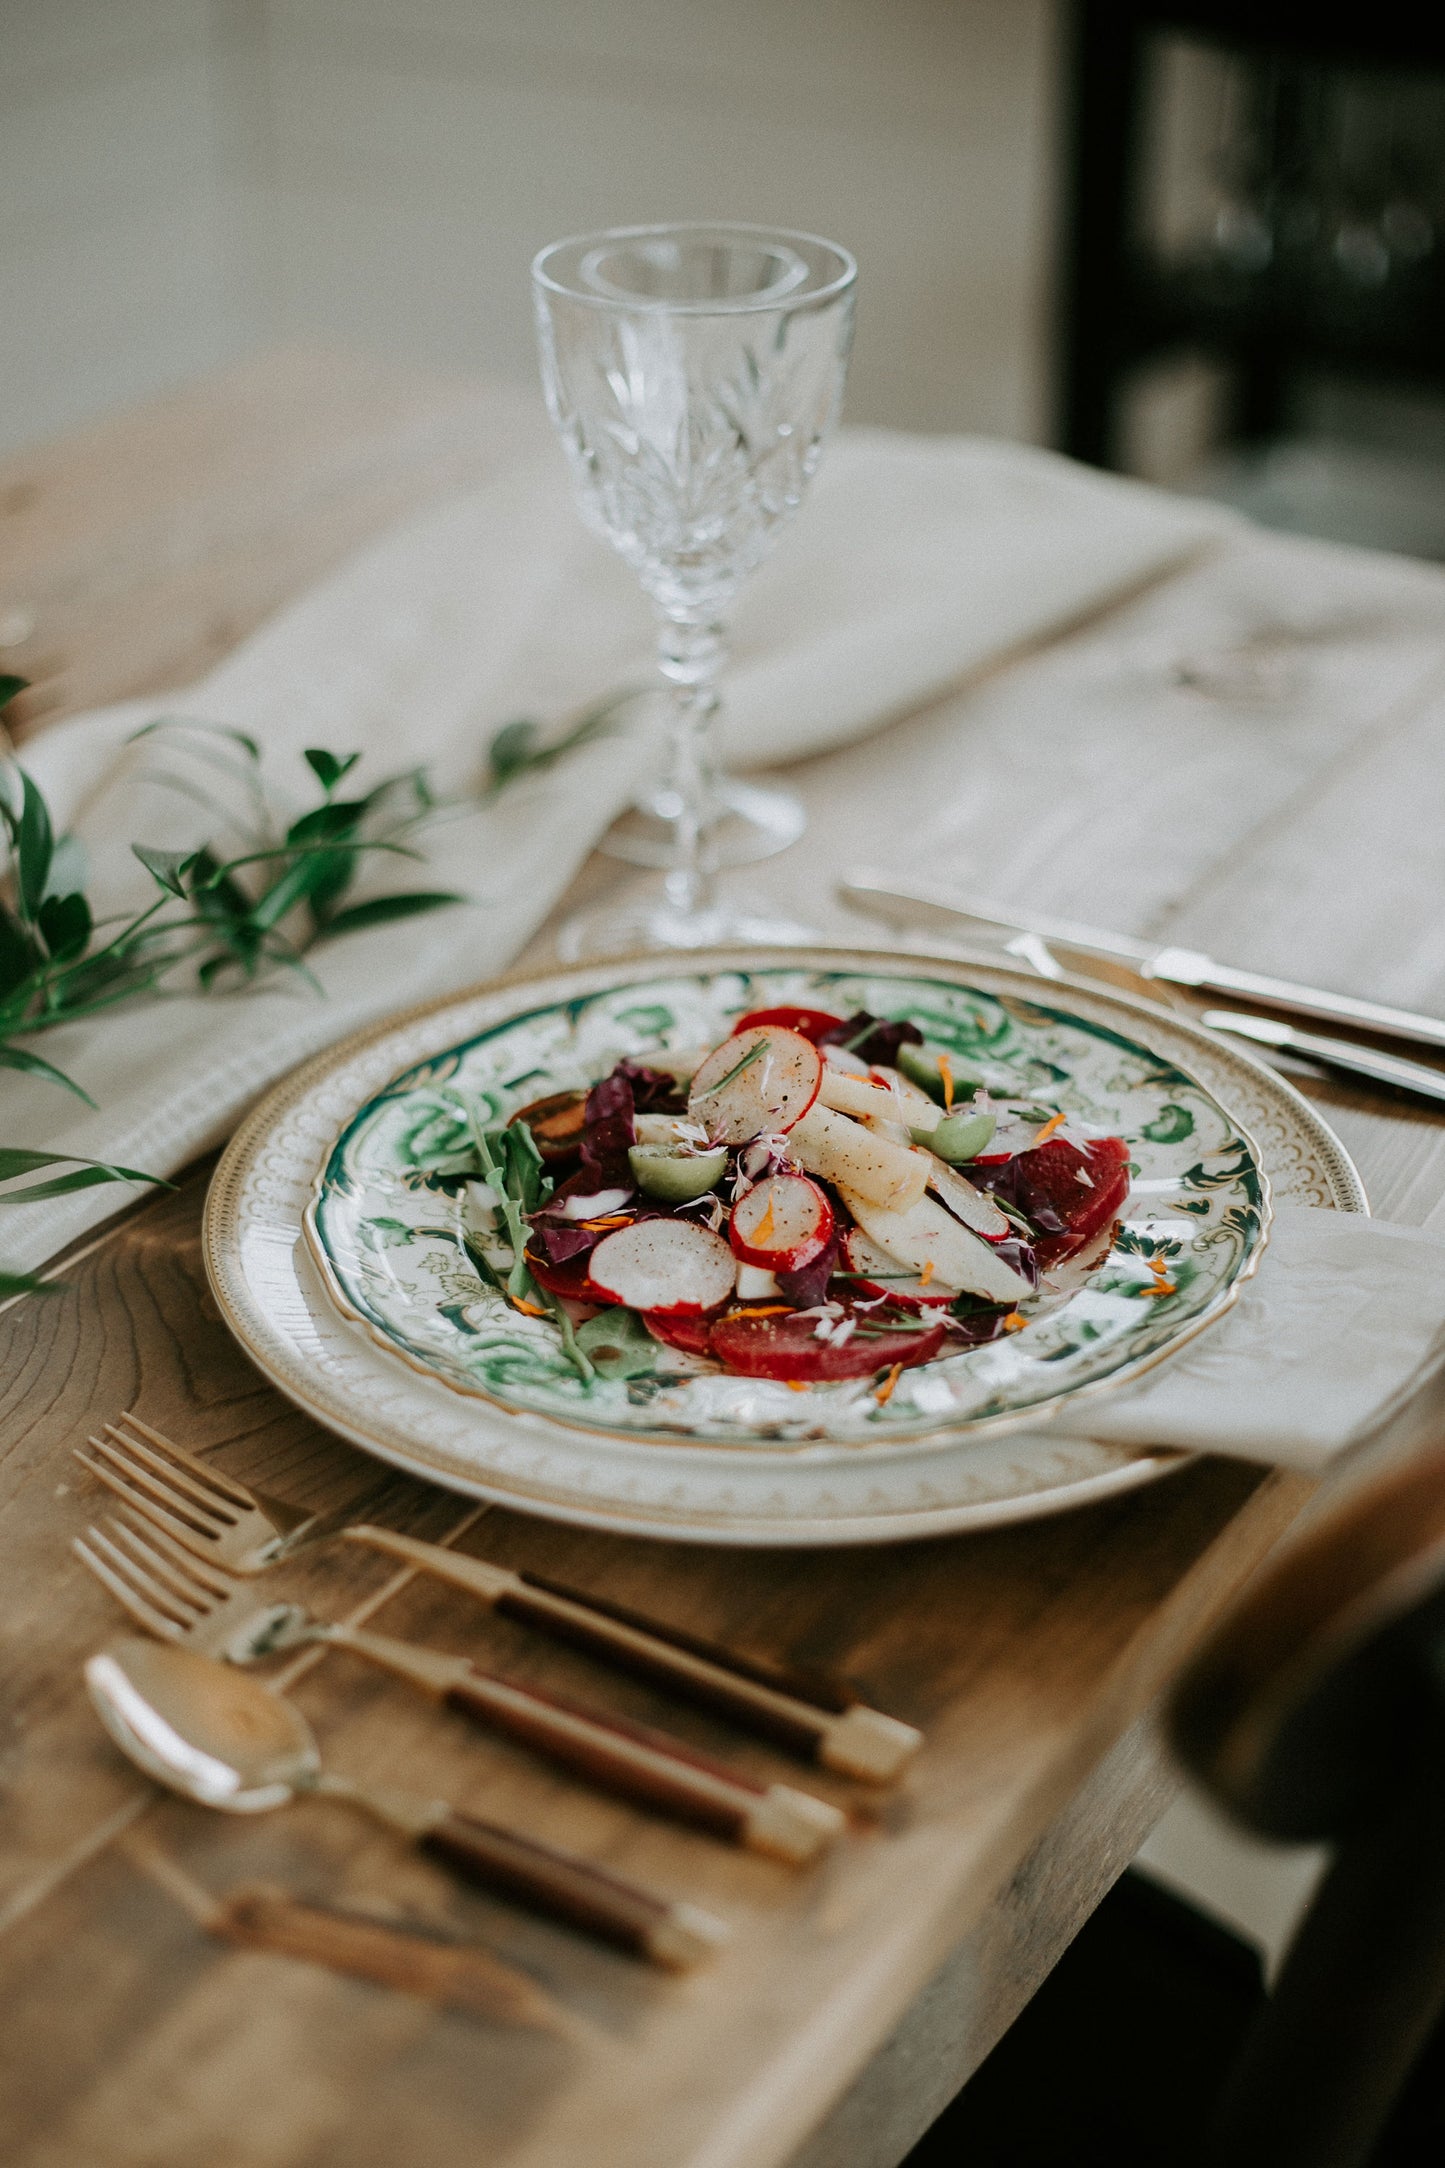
(925, 1235)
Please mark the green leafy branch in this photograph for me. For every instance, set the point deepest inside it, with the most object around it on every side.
(226, 916)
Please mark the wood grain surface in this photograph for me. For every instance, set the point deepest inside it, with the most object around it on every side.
(129, 2037)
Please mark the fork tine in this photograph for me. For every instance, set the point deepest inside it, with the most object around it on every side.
(229, 1485)
(210, 1519)
(153, 1621)
(128, 1486)
(185, 1605)
(199, 1572)
(210, 1498)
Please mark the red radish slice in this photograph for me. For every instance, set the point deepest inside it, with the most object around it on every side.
(880, 1274)
(812, 1023)
(572, 1279)
(782, 1223)
(664, 1264)
(691, 1334)
(787, 1348)
(758, 1082)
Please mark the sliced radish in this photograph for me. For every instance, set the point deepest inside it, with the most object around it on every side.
(842, 1151)
(691, 1334)
(973, 1206)
(925, 1235)
(782, 1223)
(811, 1023)
(756, 1083)
(663, 1264)
(756, 1284)
(593, 1204)
(787, 1347)
(876, 1273)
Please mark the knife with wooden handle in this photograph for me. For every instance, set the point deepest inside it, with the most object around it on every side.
(923, 904)
(816, 1717)
(633, 1761)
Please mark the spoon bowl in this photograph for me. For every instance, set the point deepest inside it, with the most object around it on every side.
(207, 1731)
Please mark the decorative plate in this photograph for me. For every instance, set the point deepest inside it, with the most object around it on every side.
(377, 1320)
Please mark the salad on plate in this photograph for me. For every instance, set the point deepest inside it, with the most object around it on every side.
(815, 1198)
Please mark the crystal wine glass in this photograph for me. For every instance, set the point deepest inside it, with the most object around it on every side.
(692, 373)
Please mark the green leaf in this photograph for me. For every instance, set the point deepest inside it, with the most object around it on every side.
(24, 1283)
(64, 923)
(511, 752)
(88, 1174)
(34, 846)
(247, 744)
(15, 1057)
(69, 867)
(379, 909)
(10, 686)
(18, 955)
(167, 867)
(16, 1159)
(328, 768)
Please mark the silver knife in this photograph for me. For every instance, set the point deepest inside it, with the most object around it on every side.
(925, 903)
(1341, 1054)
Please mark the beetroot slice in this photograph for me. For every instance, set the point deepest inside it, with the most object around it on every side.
(689, 1333)
(1049, 1175)
(571, 1278)
(786, 1347)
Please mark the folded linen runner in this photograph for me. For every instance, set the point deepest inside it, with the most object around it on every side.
(1342, 1323)
(914, 563)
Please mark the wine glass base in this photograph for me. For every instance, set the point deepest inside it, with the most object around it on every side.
(742, 823)
(651, 922)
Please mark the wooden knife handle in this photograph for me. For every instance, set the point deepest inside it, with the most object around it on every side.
(667, 1932)
(808, 1712)
(651, 1768)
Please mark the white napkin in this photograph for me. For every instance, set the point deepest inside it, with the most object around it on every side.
(915, 562)
(1342, 1323)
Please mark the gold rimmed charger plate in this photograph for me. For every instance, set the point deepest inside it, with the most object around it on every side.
(276, 1297)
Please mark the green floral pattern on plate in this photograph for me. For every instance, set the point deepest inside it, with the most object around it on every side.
(404, 1240)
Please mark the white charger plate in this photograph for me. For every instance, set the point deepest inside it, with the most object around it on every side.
(365, 1352)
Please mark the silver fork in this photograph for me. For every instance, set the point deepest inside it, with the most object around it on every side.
(221, 1520)
(241, 1528)
(182, 1598)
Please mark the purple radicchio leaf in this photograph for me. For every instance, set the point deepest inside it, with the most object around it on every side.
(978, 1327)
(872, 1038)
(609, 1131)
(1020, 1255)
(653, 1090)
(809, 1284)
(1012, 1181)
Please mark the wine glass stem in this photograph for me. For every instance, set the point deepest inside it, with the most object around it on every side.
(690, 654)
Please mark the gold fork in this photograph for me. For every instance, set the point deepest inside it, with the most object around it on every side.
(242, 1529)
(818, 1718)
(181, 1598)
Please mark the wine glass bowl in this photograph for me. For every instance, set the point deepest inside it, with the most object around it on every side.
(692, 374)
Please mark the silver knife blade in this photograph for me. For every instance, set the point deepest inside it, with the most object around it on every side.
(1341, 1054)
(906, 903)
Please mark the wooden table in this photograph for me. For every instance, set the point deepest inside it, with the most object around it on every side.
(1033, 1656)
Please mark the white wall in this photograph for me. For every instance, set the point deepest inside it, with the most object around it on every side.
(181, 179)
